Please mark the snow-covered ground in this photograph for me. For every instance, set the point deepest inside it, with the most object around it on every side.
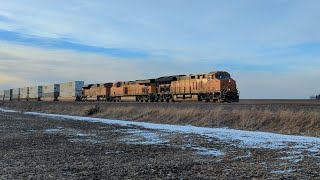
(294, 146)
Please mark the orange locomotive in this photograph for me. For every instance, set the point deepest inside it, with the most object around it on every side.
(96, 92)
(213, 86)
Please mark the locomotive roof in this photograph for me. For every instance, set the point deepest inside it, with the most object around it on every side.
(168, 78)
(145, 81)
(214, 72)
(86, 86)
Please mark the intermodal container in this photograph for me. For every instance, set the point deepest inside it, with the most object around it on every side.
(35, 93)
(50, 92)
(71, 89)
(8, 95)
(24, 93)
(1, 95)
(16, 94)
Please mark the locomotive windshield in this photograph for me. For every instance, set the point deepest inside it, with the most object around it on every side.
(222, 75)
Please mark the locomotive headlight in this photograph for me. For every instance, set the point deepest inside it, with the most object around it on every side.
(229, 80)
(229, 89)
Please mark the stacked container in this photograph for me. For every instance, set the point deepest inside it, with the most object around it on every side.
(50, 92)
(71, 90)
(35, 93)
(1, 95)
(24, 93)
(8, 95)
(16, 94)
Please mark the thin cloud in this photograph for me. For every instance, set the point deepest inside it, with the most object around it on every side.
(62, 43)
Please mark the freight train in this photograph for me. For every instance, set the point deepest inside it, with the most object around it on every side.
(217, 86)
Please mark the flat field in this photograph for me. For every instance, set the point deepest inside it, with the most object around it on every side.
(44, 146)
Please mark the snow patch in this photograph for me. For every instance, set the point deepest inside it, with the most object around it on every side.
(85, 135)
(53, 130)
(143, 137)
(247, 155)
(85, 140)
(284, 171)
(295, 159)
(208, 152)
(7, 111)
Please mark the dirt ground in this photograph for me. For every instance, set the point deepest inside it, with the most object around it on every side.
(35, 147)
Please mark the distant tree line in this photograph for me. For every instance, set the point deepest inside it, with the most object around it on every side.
(317, 97)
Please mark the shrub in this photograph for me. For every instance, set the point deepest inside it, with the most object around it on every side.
(93, 111)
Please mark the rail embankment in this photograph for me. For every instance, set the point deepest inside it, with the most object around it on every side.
(278, 118)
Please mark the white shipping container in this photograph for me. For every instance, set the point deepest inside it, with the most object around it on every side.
(1, 95)
(24, 93)
(71, 86)
(16, 91)
(52, 88)
(35, 89)
(8, 94)
(35, 92)
(71, 89)
(51, 91)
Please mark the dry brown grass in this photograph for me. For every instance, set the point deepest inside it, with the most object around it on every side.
(279, 120)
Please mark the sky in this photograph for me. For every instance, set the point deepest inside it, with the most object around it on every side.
(271, 48)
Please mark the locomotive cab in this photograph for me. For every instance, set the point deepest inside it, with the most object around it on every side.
(225, 88)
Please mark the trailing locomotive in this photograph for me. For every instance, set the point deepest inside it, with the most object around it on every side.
(217, 86)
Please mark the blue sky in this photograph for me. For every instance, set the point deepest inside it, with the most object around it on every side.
(263, 44)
